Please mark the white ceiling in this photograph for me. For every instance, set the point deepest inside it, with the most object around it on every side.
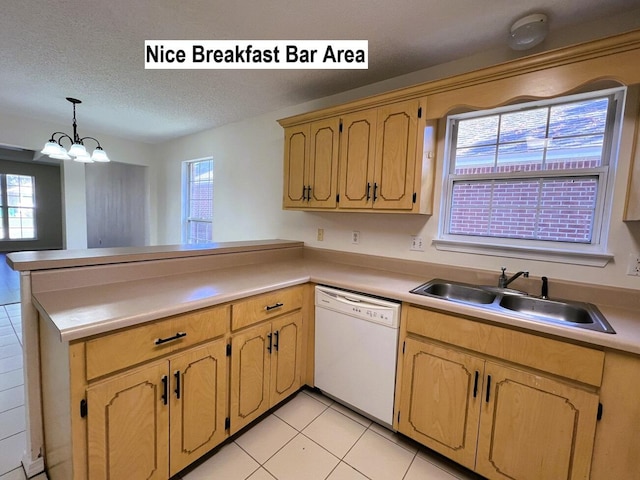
(94, 50)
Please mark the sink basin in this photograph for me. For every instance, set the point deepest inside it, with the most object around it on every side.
(547, 308)
(456, 291)
(582, 314)
(519, 304)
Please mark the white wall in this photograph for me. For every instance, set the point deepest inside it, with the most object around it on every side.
(248, 185)
(32, 134)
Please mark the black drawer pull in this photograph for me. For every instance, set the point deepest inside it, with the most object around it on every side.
(178, 335)
(488, 387)
(177, 390)
(165, 389)
(271, 307)
(475, 385)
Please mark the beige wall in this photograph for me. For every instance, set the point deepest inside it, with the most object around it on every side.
(248, 186)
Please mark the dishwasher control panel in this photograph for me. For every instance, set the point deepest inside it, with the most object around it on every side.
(367, 308)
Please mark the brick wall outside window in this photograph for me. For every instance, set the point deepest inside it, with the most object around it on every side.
(530, 174)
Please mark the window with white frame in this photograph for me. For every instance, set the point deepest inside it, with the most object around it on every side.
(533, 176)
(17, 207)
(197, 201)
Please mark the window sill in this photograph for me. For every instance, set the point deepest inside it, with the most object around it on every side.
(592, 259)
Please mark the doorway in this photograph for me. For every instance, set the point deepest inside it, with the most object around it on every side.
(117, 205)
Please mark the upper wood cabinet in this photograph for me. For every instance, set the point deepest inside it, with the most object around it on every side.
(311, 165)
(368, 160)
(378, 158)
(630, 147)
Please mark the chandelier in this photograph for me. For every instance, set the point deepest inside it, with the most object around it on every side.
(77, 151)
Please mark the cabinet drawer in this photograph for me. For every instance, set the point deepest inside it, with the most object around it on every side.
(554, 356)
(132, 346)
(268, 305)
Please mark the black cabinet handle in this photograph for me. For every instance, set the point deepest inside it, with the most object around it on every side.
(271, 307)
(309, 193)
(475, 385)
(375, 189)
(275, 343)
(165, 387)
(269, 347)
(178, 335)
(488, 387)
(304, 193)
(368, 189)
(177, 390)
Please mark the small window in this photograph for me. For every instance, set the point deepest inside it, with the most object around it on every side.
(198, 201)
(17, 207)
(533, 176)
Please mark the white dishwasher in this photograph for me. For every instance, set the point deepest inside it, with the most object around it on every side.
(356, 342)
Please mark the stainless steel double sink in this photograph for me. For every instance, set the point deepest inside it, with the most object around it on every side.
(518, 304)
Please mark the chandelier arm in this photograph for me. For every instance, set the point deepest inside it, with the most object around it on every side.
(62, 135)
(90, 138)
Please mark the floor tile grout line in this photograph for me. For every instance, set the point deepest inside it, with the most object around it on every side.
(415, 455)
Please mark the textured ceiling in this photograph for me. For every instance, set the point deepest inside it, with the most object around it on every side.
(94, 50)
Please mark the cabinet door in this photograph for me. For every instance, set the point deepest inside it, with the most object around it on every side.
(395, 159)
(440, 399)
(250, 368)
(534, 427)
(128, 426)
(323, 163)
(285, 357)
(198, 402)
(296, 159)
(357, 155)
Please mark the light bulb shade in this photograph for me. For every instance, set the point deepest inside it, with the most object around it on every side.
(60, 156)
(86, 158)
(52, 148)
(78, 150)
(99, 155)
(528, 32)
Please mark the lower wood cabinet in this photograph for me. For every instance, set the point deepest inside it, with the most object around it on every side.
(534, 427)
(265, 367)
(440, 399)
(495, 418)
(154, 421)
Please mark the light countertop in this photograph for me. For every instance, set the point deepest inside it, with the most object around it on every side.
(86, 311)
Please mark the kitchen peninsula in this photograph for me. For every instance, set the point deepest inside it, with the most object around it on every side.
(94, 318)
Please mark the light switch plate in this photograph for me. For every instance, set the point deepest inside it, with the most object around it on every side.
(417, 244)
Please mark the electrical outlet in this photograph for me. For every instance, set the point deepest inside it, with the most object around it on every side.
(633, 266)
(416, 244)
(320, 235)
(355, 237)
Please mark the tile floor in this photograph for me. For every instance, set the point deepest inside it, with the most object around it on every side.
(308, 438)
(12, 424)
(313, 438)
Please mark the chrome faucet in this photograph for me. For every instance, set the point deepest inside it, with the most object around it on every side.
(503, 281)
